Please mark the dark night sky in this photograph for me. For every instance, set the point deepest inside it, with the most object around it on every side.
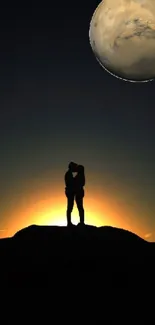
(57, 104)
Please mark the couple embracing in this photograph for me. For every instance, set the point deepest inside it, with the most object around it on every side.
(74, 190)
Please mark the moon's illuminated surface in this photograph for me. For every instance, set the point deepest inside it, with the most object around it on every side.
(122, 37)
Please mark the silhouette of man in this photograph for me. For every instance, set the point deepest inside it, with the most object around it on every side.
(74, 190)
(70, 189)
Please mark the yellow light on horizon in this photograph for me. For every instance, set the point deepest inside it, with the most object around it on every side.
(57, 216)
(47, 207)
(47, 211)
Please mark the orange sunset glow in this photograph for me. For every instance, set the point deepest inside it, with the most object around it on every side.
(42, 206)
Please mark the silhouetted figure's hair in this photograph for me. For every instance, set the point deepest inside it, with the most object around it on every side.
(80, 177)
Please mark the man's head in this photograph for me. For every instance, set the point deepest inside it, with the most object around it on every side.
(72, 167)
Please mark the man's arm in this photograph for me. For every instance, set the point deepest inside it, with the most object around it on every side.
(65, 178)
(68, 179)
(84, 181)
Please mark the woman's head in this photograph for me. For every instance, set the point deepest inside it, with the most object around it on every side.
(80, 169)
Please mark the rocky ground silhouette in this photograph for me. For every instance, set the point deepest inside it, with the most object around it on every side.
(109, 261)
(44, 250)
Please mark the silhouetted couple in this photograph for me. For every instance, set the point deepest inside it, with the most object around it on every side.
(74, 190)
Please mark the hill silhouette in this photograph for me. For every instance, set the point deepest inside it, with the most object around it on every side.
(39, 253)
(106, 268)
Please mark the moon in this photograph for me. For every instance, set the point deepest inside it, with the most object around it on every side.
(122, 38)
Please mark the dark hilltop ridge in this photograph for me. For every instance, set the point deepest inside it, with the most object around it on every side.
(37, 253)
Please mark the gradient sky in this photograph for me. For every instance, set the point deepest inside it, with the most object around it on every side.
(56, 105)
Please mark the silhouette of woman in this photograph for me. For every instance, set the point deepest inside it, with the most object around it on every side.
(79, 183)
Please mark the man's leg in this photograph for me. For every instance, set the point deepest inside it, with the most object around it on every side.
(70, 204)
(79, 203)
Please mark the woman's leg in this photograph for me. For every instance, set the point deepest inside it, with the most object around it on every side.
(79, 203)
